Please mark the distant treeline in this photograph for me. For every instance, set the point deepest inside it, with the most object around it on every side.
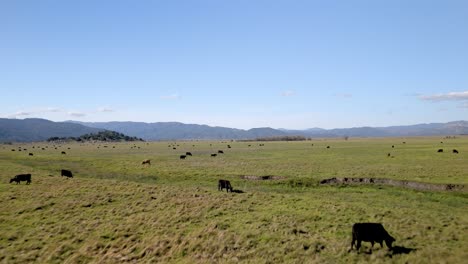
(283, 138)
(100, 136)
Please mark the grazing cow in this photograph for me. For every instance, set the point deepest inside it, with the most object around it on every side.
(188, 153)
(30, 154)
(220, 152)
(146, 162)
(393, 146)
(183, 156)
(214, 155)
(328, 147)
(21, 177)
(229, 146)
(440, 150)
(224, 184)
(370, 232)
(66, 173)
(388, 154)
(455, 151)
(174, 148)
(63, 152)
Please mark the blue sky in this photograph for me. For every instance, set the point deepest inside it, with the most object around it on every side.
(236, 63)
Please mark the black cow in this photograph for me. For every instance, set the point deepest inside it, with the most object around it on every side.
(214, 155)
(188, 153)
(21, 177)
(220, 152)
(440, 150)
(370, 232)
(328, 147)
(183, 156)
(229, 146)
(30, 154)
(67, 173)
(455, 151)
(224, 184)
(63, 152)
(388, 154)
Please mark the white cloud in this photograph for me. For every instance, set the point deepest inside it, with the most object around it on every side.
(22, 113)
(19, 114)
(76, 114)
(452, 96)
(288, 93)
(53, 109)
(170, 97)
(105, 110)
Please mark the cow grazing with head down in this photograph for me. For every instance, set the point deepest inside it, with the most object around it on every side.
(21, 177)
(220, 152)
(214, 155)
(224, 184)
(182, 156)
(63, 152)
(455, 151)
(370, 232)
(66, 173)
(440, 150)
(188, 153)
(30, 154)
(146, 162)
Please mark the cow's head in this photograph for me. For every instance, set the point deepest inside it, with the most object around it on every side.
(12, 180)
(389, 240)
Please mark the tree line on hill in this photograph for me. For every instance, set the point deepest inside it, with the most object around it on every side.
(100, 136)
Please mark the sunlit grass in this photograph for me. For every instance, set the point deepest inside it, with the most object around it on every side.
(117, 210)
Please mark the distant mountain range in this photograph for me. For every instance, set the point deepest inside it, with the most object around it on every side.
(175, 130)
(34, 129)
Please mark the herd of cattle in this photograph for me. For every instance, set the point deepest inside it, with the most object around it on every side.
(367, 232)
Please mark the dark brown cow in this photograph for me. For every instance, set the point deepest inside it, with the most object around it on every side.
(440, 150)
(224, 184)
(455, 151)
(146, 162)
(183, 156)
(21, 177)
(214, 155)
(66, 173)
(188, 153)
(220, 152)
(30, 154)
(63, 152)
(370, 232)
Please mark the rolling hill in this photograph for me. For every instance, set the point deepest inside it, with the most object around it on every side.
(34, 129)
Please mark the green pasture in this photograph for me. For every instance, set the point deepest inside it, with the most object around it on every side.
(117, 210)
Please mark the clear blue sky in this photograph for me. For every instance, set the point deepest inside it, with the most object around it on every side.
(236, 63)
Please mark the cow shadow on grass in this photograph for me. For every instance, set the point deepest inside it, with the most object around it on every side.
(237, 191)
(399, 250)
(396, 250)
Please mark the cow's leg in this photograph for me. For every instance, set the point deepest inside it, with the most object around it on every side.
(352, 243)
(358, 246)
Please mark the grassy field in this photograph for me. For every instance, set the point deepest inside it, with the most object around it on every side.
(117, 210)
